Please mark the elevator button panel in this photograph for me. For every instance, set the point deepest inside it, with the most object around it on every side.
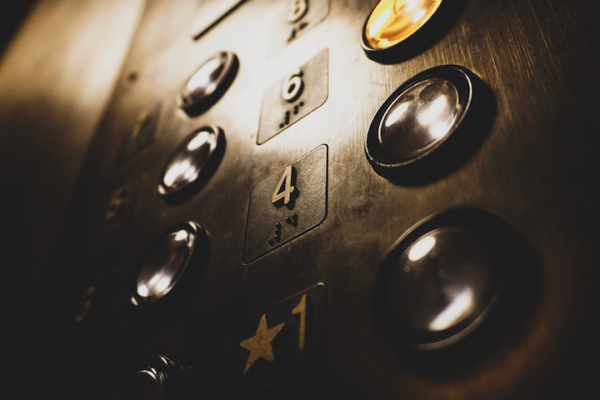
(299, 93)
(280, 352)
(287, 204)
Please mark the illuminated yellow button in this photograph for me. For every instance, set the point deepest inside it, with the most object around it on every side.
(392, 21)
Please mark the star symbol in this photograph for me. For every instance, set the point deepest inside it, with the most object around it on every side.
(260, 344)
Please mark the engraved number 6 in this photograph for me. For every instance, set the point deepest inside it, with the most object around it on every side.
(292, 86)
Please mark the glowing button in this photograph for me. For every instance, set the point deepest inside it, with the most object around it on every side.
(392, 21)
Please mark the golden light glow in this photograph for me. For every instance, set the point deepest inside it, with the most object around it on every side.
(392, 21)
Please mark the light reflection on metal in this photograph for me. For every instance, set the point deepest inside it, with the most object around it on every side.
(459, 308)
(164, 264)
(421, 248)
(421, 115)
(419, 118)
(208, 83)
(189, 160)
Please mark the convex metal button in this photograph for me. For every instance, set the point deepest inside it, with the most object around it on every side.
(194, 159)
(176, 253)
(421, 115)
(208, 83)
(444, 277)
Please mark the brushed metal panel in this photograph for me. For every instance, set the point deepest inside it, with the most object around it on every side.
(537, 167)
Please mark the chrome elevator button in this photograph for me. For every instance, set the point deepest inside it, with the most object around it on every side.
(421, 115)
(155, 378)
(442, 281)
(446, 276)
(419, 118)
(208, 83)
(193, 159)
(169, 258)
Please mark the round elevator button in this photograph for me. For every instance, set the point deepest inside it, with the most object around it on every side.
(393, 21)
(420, 116)
(155, 378)
(443, 278)
(442, 281)
(168, 259)
(193, 159)
(208, 83)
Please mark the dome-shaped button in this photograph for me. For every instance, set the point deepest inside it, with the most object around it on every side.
(169, 258)
(208, 83)
(195, 157)
(422, 114)
(441, 281)
(444, 277)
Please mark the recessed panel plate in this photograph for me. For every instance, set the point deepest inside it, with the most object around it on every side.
(298, 94)
(280, 353)
(302, 204)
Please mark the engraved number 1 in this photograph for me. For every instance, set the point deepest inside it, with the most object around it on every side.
(301, 309)
(287, 190)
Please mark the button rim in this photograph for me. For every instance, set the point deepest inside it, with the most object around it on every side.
(464, 82)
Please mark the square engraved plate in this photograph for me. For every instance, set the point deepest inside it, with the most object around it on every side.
(280, 353)
(293, 19)
(287, 204)
(298, 94)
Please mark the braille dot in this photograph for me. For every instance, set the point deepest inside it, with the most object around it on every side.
(301, 103)
(278, 225)
(281, 125)
(295, 217)
(288, 220)
(271, 242)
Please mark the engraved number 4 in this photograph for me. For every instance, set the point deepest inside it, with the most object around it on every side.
(288, 189)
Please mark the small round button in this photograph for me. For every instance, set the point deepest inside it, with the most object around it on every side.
(156, 378)
(420, 116)
(208, 83)
(443, 277)
(192, 159)
(168, 259)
